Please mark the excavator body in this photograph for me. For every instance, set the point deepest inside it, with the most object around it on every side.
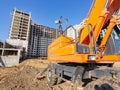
(86, 49)
(91, 55)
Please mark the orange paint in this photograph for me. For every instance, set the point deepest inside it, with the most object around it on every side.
(64, 48)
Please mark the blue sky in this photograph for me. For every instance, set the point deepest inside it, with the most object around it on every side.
(43, 12)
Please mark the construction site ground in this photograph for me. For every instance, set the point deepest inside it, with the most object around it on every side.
(23, 77)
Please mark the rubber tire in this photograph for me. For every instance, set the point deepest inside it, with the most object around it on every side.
(106, 83)
(51, 78)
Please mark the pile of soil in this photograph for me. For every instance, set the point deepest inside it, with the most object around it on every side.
(23, 76)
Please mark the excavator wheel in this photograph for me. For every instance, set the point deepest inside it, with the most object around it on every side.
(106, 83)
(51, 78)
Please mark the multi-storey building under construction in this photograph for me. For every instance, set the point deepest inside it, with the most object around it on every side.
(19, 29)
(33, 37)
(40, 37)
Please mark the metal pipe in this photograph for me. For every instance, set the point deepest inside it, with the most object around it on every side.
(71, 26)
(91, 8)
(107, 3)
(90, 37)
(94, 40)
(75, 34)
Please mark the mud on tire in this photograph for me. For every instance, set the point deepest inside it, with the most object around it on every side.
(106, 83)
(51, 78)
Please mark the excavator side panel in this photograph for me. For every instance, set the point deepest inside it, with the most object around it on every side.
(62, 46)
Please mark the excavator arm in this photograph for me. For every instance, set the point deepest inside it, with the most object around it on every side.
(99, 16)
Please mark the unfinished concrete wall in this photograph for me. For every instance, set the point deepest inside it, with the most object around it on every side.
(8, 61)
(9, 57)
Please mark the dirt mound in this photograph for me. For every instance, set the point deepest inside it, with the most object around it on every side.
(21, 77)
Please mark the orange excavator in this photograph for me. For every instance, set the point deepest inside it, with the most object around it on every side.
(87, 61)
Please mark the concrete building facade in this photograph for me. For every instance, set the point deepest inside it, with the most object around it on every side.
(40, 37)
(1, 44)
(19, 29)
(33, 38)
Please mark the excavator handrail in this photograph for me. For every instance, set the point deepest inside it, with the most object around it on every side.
(75, 31)
(91, 8)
